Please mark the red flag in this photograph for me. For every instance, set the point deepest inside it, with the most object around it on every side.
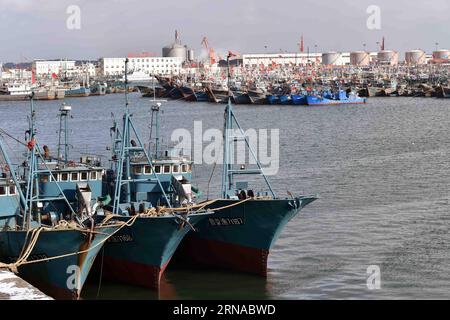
(54, 76)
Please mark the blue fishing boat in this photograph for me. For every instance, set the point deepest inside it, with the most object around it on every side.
(51, 248)
(139, 253)
(77, 91)
(334, 99)
(285, 99)
(299, 99)
(272, 99)
(243, 230)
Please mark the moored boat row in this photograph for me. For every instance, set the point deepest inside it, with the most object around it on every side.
(143, 211)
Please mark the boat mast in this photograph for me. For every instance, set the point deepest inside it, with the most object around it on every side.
(32, 198)
(126, 149)
(64, 131)
(229, 138)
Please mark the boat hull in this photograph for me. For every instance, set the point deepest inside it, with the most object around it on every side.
(139, 254)
(317, 101)
(82, 92)
(56, 278)
(240, 237)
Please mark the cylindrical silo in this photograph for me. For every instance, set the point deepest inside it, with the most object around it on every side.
(359, 58)
(387, 57)
(331, 58)
(441, 54)
(175, 51)
(415, 57)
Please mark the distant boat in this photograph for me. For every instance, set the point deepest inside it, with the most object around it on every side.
(298, 99)
(98, 89)
(272, 99)
(285, 99)
(15, 92)
(334, 99)
(77, 91)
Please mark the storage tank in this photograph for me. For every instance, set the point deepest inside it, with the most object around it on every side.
(175, 50)
(415, 57)
(331, 58)
(387, 57)
(441, 54)
(191, 56)
(359, 58)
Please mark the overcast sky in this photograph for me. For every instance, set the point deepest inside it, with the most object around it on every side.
(37, 28)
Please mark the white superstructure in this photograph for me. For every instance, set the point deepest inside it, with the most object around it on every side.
(143, 65)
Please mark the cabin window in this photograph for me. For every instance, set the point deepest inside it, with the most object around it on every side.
(176, 168)
(43, 178)
(2, 191)
(184, 168)
(84, 176)
(94, 175)
(147, 169)
(74, 176)
(157, 169)
(190, 168)
(12, 190)
(137, 170)
(166, 169)
(64, 176)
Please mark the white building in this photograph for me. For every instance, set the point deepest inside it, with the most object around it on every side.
(48, 67)
(283, 59)
(148, 65)
(15, 74)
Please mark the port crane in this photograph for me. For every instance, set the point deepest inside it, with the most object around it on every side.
(212, 59)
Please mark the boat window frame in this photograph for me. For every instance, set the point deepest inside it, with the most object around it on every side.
(149, 171)
(13, 193)
(81, 175)
(184, 168)
(167, 166)
(93, 175)
(60, 177)
(4, 193)
(157, 168)
(71, 176)
(178, 168)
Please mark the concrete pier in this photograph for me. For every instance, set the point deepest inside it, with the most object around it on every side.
(14, 288)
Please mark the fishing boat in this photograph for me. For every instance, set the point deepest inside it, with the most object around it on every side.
(217, 94)
(77, 91)
(285, 99)
(299, 99)
(15, 92)
(246, 224)
(139, 253)
(272, 99)
(334, 99)
(97, 89)
(240, 97)
(44, 238)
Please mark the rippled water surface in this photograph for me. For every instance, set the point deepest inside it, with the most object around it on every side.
(381, 170)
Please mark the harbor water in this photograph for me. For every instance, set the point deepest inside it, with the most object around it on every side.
(382, 171)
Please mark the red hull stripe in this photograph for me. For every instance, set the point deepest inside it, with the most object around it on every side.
(225, 255)
(139, 274)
